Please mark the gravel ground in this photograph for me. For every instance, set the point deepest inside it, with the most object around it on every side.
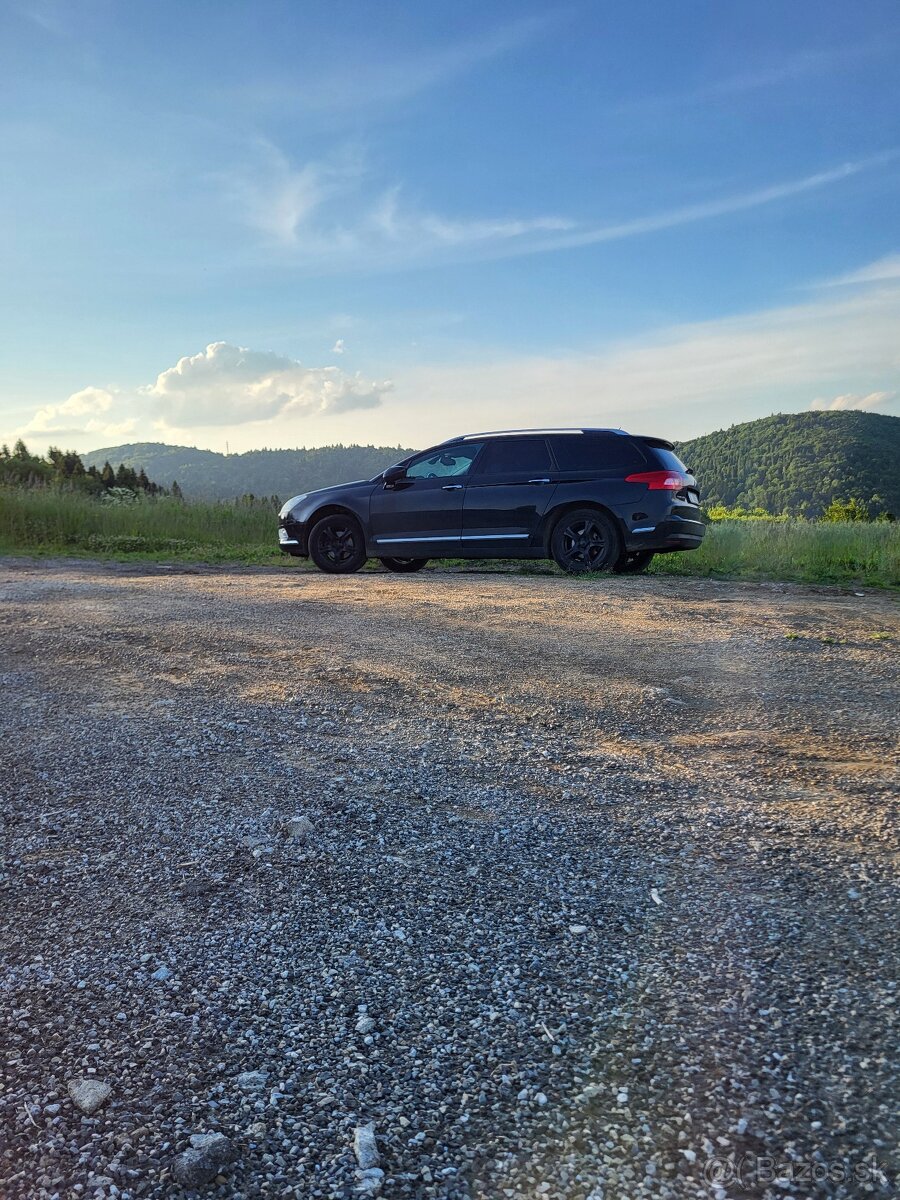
(448, 885)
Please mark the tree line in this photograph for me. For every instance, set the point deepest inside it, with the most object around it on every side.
(64, 468)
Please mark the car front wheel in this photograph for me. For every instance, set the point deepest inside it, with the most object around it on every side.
(585, 540)
(403, 565)
(337, 545)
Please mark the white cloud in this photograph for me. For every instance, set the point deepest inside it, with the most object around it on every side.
(338, 347)
(228, 385)
(682, 380)
(882, 270)
(873, 402)
(85, 410)
(223, 385)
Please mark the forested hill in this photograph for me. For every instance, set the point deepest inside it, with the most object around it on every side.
(206, 475)
(798, 463)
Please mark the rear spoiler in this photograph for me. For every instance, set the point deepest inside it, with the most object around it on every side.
(659, 443)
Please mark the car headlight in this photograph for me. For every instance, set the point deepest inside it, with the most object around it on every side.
(292, 503)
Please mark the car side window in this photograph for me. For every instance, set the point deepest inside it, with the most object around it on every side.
(445, 462)
(597, 452)
(523, 456)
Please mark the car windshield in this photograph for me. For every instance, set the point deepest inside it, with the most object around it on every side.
(445, 461)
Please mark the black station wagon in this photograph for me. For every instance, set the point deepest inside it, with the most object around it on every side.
(591, 499)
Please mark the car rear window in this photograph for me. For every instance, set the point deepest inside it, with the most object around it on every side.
(597, 452)
(668, 459)
(525, 456)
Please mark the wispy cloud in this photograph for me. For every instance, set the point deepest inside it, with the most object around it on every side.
(883, 270)
(708, 209)
(383, 78)
(46, 14)
(798, 67)
(872, 402)
(323, 213)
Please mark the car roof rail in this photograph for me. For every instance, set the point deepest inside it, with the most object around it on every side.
(471, 437)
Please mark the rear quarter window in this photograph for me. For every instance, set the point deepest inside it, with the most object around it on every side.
(667, 459)
(598, 453)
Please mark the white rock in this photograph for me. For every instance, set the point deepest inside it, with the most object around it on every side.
(578, 929)
(215, 1144)
(251, 1080)
(365, 1024)
(298, 828)
(370, 1181)
(365, 1147)
(88, 1094)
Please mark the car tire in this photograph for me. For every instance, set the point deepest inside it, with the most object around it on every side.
(585, 540)
(403, 566)
(634, 563)
(337, 545)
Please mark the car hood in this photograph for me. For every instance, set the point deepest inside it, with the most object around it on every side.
(336, 488)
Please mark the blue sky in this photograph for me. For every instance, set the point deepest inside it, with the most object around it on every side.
(298, 223)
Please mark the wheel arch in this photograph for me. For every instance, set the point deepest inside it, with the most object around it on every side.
(553, 515)
(333, 510)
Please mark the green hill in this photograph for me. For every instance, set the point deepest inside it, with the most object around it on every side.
(797, 463)
(207, 475)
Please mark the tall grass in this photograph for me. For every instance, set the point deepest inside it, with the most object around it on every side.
(808, 551)
(46, 521)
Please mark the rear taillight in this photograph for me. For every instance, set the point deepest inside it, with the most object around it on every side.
(659, 481)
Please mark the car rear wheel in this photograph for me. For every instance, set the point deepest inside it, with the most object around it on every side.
(585, 540)
(404, 565)
(634, 563)
(337, 545)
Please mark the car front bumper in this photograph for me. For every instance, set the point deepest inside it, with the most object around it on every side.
(292, 538)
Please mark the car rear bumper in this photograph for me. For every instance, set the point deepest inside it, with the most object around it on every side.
(674, 532)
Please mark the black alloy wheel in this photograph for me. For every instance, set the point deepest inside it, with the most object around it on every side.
(585, 540)
(403, 566)
(634, 563)
(337, 545)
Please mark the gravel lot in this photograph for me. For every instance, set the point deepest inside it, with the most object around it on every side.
(594, 895)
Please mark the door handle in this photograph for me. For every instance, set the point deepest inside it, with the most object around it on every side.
(538, 480)
(452, 487)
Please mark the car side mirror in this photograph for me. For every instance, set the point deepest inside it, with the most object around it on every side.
(392, 475)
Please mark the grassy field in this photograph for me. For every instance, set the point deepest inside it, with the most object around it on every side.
(46, 522)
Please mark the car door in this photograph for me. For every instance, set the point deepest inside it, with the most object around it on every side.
(508, 493)
(420, 514)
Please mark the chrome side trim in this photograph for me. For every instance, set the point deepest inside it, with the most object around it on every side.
(464, 537)
(385, 541)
